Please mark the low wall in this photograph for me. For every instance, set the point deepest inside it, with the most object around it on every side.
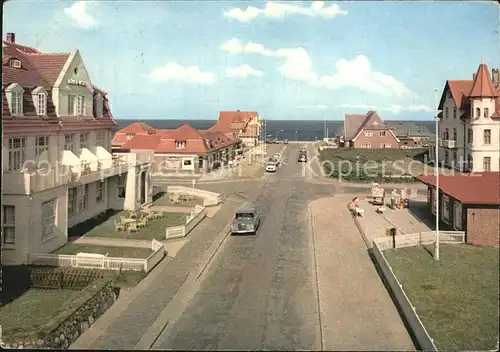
(61, 331)
(209, 198)
(194, 219)
(423, 338)
(103, 263)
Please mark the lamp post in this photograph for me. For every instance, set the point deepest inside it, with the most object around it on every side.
(436, 251)
(296, 139)
(278, 131)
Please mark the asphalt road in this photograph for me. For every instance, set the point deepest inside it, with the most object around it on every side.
(260, 292)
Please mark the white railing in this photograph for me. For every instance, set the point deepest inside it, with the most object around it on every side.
(425, 342)
(209, 198)
(420, 238)
(91, 261)
(448, 143)
(192, 220)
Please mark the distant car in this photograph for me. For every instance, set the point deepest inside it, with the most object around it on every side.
(285, 141)
(302, 158)
(303, 149)
(271, 167)
(246, 220)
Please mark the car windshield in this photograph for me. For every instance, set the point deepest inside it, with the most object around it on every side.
(244, 216)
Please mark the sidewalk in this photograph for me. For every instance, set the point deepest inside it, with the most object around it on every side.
(123, 325)
(357, 312)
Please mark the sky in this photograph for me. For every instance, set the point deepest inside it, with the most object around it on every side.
(287, 60)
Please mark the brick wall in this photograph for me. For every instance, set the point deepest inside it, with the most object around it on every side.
(483, 226)
(376, 140)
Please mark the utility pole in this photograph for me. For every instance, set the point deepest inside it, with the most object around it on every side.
(436, 251)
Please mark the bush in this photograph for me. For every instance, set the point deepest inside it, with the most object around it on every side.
(377, 155)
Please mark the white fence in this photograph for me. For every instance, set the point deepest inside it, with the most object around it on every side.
(91, 261)
(209, 198)
(424, 340)
(192, 220)
(420, 238)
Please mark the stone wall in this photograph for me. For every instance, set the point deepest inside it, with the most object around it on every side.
(61, 331)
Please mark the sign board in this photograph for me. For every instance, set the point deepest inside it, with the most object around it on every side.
(75, 82)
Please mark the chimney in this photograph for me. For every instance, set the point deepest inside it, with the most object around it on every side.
(11, 38)
(495, 76)
(473, 76)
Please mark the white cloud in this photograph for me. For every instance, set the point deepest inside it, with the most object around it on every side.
(176, 72)
(278, 10)
(78, 13)
(319, 107)
(243, 72)
(398, 108)
(358, 106)
(356, 73)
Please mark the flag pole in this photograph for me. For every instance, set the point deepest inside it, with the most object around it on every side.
(436, 251)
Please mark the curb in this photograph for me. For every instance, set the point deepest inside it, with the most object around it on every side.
(172, 311)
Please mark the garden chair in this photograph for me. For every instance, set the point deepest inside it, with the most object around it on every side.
(119, 226)
(175, 199)
(142, 223)
(132, 227)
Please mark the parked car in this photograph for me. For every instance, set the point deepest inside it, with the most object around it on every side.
(246, 220)
(271, 167)
(302, 158)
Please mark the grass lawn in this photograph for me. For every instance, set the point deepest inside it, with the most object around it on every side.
(104, 227)
(33, 309)
(122, 252)
(377, 155)
(164, 199)
(457, 297)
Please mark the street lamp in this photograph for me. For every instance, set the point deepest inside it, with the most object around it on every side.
(436, 251)
(296, 132)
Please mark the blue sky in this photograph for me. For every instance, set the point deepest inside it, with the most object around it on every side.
(287, 60)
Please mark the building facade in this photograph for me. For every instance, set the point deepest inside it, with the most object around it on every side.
(469, 123)
(57, 168)
(411, 135)
(368, 131)
(246, 125)
(469, 203)
(183, 151)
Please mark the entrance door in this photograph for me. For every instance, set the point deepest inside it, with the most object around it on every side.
(143, 188)
(458, 216)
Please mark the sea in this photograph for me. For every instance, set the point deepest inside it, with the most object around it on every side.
(275, 129)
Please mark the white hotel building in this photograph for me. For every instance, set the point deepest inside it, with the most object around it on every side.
(469, 125)
(57, 168)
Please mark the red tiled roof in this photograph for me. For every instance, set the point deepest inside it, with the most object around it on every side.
(355, 123)
(136, 128)
(482, 86)
(142, 141)
(475, 188)
(234, 120)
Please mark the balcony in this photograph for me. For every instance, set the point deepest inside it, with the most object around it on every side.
(97, 170)
(448, 143)
(27, 183)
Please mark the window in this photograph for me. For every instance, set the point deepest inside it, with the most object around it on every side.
(71, 105)
(17, 103)
(470, 162)
(486, 112)
(180, 144)
(446, 208)
(487, 136)
(446, 156)
(72, 201)
(130, 135)
(122, 181)
(366, 145)
(80, 105)
(478, 112)
(100, 139)
(41, 146)
(454, 156)
(487, 163)
(446, 134)
(100, 192)
(454, 134)
(69, 142)
(382, 133)
(84, 140)
(48, 218)
(446, 113)
(15, 63)
(9, 224)
(469, 136)
(83, 198)
(41, 104)
(383, 145)
(17, 150)
(368, 133)
(98, 105)
(455, 113)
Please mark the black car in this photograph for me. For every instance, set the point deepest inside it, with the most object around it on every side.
(302, 158)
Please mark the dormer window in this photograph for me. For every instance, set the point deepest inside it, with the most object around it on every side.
(40, 100)
(14, 94)
(98, 105)
(486, 112)
(15, 63)
(180, 144)
(130, 135)
(478, 112)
